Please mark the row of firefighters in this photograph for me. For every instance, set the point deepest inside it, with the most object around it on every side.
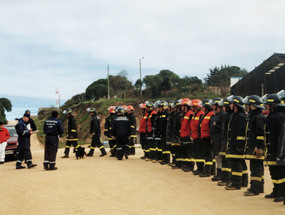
(205, 137)
(217, 136)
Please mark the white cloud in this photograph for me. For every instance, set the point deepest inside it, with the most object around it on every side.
(67, 44)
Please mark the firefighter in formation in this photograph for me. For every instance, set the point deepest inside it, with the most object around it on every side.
(216, 137)
(120, 130)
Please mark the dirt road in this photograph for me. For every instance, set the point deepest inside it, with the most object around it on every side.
(98, 185)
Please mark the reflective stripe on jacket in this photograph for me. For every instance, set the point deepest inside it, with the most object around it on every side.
(195, 124)
(205, 125)
(185, 124)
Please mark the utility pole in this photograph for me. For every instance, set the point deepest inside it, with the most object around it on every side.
(57, 99)
(108, 82)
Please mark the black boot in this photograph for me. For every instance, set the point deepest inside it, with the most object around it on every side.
(66, 153)
(126, 155)
(166, 159)
(90, 153)
(187, 167)
(119, 154)
(133, 150)
(218, 176)
(178, 165)
(213, 170)
(19, 165)
(52, 167)
(206, 172)
(32, 166)
(103, 152)
(46, 166)
(183, 164)
(199, 170)
(278, 199)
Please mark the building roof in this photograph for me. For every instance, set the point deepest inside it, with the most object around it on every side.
(268, 77)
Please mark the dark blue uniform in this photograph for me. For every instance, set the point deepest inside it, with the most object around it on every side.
(275, 122)
(52, 128)
(121, 129)
(72, 137)
(108, 134)
(24, 151)
(95, 130)
(132, 140)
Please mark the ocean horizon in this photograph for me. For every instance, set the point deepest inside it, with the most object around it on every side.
(21, 104)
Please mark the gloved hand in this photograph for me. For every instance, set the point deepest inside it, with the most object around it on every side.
(258, 152)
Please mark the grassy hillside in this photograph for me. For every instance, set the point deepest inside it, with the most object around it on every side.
(83, 119)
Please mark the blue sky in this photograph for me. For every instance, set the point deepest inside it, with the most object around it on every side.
(67, 44)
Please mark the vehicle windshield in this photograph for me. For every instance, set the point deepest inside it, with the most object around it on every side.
(12, 132)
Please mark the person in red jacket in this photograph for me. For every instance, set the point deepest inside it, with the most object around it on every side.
(196, 135)
(142, 128)
(206, 137)
(4, 136)
(149, 129)
(186, 143)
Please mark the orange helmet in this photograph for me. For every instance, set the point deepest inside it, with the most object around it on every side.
(130, 107)
(125, 107)
(185, 101)
(197, 103)
(112, 109)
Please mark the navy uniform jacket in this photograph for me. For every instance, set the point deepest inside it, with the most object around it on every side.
(216, 128)
(216, 125)
(170, 126)
(236, 144)
(255, 133)
(226, 131)
(281, 147)
(133, 122)
(53, 126)
(95, 125)
(163, 122)
(107, 130)
(274, 123)
(23, 132)
(155, 121)
(177, 126)
(121, 126)
(72, 129)
(32, 123)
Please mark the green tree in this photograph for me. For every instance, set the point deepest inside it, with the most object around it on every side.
(75, 100)
(190, 85)
(119, 86)
(220, 77)
(5, 105)
(120, 83)
(169, 79)
(153, 85)
(97, 91)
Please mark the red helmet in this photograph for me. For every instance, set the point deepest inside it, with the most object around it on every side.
(185, 101)
(197, 103)
(130, 107)
(112, 109)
